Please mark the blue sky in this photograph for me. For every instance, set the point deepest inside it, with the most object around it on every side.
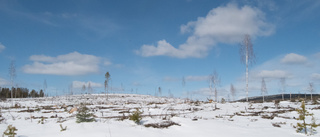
(149, 44)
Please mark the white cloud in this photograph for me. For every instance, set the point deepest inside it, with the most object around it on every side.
(79, 84)
(4, 82)
(197, 78)
(171, 79)
(107, 63)
(273, 74)
(315, 76)
(225, 24)
(187, 78)
(135, 83)
(2, 47)
(293, 58)
(317, 55)
(69, 64)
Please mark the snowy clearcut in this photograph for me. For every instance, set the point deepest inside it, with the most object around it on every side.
(38, 117)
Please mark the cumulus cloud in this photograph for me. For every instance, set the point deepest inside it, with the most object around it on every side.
(69, 64)
(2, 47)
(273, 74)
(79, 84)
(293, 58)
(315, 76)
(4, 82)
(225, 24)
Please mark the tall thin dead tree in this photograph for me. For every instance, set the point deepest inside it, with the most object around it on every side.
(160, 91)
(283, 86)
(233, 91)
(106, 83)
(71, 89)
(311, 88)
(83, 88)
(214, 80)
(264, 90)
(90, 90)
(247, 56)
(12, 73)
(45, 86)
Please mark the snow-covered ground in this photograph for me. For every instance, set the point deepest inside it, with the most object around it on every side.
(192, 118)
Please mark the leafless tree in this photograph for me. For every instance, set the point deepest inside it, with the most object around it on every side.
(214, 81)
(106, 83)
(283, 86)
(264, 90)
(71, 89)
(90, 90)
(311, 88)
(83, 89)
(233, 91)
(247, 56)
(45, 86)
(12, 73)
(160, 91)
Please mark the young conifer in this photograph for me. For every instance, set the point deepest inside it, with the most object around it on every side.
(84, 115)
(303, 113)
(10, 131)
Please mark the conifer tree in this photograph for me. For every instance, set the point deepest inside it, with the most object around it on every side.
(84, 115)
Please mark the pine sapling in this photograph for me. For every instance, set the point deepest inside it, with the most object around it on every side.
(302, 116)
(313, 125)
(136, 116)
(10, 131)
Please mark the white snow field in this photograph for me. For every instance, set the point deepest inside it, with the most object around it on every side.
(192, 119)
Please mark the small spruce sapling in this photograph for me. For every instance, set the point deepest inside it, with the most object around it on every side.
(136, 116)
(10, 131)
(313, 125)
(302, 116)
(84, 115)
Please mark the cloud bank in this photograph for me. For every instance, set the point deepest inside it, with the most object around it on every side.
(293, 58)
(69, 64)
(79, 84)
(225, 24)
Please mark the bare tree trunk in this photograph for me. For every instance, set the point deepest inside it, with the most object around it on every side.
(216, 94)
(290, 95)
(247, 75)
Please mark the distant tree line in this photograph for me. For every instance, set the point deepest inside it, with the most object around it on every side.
(20, 93)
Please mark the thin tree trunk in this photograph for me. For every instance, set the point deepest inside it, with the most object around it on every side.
(247, 74)
(290, 95)
(304, 124)
(216, 94)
